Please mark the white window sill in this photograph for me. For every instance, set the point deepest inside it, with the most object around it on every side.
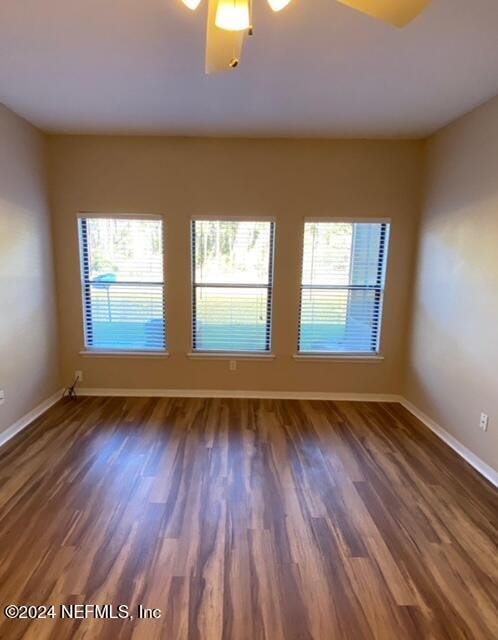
(103, 353)
(340, 357)
(206, 355)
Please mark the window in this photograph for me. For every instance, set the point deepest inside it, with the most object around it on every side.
(123, 283)
(342, 287)
(232, 285)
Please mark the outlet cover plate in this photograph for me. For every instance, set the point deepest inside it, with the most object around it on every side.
(484, 422)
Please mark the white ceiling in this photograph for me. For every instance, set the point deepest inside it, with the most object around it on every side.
(316, 69)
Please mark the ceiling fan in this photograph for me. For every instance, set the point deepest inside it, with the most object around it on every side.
(230, 20)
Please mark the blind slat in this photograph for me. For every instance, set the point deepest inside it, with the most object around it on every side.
(123, 283)
(342, 288)
(232, 284)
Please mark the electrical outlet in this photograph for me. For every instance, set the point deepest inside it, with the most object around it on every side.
(78, 375)
(483, 424)
(233, 365)
(2, 396)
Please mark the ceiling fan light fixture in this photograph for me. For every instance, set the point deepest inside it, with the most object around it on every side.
(278, 5)
(233, 15)
(192, 4)
(230, 21)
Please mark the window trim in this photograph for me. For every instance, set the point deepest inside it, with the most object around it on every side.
(120, 216)
(118, 353)
(233, 355)
(308, 356)
(87, 350)
(347, 220)
(216, 218)
(376, 356)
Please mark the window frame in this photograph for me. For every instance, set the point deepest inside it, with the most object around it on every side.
(89, 350)
(217, 353)
(380, 287)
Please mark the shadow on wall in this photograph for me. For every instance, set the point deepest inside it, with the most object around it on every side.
(440, 366)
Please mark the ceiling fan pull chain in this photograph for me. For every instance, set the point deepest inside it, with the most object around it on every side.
(250, 31)
(234, 62)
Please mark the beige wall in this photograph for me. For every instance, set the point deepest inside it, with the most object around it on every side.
(453, 364)
(452, 354)
(28, 353)
(286, 179)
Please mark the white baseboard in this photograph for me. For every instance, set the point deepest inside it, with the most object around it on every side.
(479, 465)
(216, 393)
(28, 418)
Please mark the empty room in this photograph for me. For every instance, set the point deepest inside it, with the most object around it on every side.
(249, 320)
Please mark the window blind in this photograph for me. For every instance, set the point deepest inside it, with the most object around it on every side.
(123, 283)
(342, 287)
(232, 285)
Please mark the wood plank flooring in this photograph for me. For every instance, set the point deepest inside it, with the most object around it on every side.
(245, 520)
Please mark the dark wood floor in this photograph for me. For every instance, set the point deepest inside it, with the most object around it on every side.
(246, 519)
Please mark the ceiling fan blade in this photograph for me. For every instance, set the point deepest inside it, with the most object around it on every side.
(396, 12)
(223, 48)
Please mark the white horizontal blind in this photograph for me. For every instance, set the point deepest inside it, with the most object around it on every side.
(123, 283)
(342, 287)
(232, 285)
